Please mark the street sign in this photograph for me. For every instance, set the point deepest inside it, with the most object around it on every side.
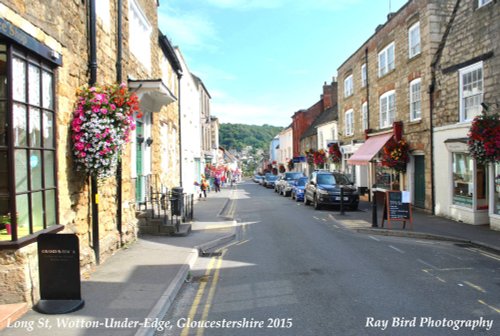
(397, 207)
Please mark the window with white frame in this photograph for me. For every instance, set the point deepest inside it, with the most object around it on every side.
(140, 35)
(386, 61)
(481, 3)
(364, 115)
(471, 91)
(387, 109)
(414, 40)
(103, 12)
(349, 122)
(348, 86)
(415, 100)
(364, 78)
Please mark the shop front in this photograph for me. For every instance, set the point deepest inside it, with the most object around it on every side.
(461, 184)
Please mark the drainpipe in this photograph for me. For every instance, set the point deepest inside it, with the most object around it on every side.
(119, 190)
(431, 91)
(92, 81)
(180, 128)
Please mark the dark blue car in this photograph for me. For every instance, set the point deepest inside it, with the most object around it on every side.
(298, 189)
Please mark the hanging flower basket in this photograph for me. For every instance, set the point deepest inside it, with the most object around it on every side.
(101, 125)
(290, 164)
(484, 138)
(282, 168)
(310, 156)
(396, 155)
(334, 152)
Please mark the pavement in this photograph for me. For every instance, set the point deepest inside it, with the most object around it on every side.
(132, 290)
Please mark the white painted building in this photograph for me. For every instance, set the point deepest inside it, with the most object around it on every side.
(191, 142)
(285, 152)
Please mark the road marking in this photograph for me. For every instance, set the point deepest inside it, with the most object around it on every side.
(490, 255)
(316, 218)
(243, 242)
(396, 249)
(374, 238)
(211, 292)
(198, 297)
(336, 226)
(426, 263)
(491, 307)
(476, 287)
(432, 275)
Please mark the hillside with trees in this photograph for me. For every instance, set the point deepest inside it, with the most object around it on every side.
(238, 136)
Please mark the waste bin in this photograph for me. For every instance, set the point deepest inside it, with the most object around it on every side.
(177, 201)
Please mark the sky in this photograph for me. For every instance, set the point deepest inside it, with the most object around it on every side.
(263, 60)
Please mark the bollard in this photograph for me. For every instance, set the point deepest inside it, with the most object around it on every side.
(374, 209)
(342, 201)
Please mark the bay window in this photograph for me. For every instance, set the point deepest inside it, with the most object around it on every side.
(28, 187)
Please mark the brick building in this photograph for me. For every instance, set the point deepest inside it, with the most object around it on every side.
(466, 74)
(383, 97)
(303, 119)
(44, 58)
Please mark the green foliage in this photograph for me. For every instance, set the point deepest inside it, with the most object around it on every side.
(238, 136)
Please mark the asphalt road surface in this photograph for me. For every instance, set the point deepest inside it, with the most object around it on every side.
(294, 271)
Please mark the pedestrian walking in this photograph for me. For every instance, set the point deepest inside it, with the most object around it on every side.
(204, 187)
(217, 184)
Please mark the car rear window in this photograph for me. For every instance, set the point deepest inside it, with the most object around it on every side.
(293, 176)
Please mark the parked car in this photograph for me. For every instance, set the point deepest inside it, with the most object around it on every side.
(324, 187)
(257, 178)
(284, 186)
(262, 182)
(298, 189)
(269, 181)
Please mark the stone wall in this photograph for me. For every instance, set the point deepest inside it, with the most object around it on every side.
(65, 30)
(432, 16)
(474, 33)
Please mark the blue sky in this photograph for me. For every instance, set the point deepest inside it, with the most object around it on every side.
(263, 60)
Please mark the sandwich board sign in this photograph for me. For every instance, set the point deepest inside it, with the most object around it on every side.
(59, 273)
(397, 207)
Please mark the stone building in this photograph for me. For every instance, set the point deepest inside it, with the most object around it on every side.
(466, 83)
(383, 98)
(44, 58)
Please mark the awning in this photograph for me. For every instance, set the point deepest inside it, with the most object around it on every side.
(369, 149)
(153, 93)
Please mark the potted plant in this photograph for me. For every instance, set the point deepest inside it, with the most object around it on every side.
(5, 223)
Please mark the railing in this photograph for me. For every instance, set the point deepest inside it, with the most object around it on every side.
(171, 205)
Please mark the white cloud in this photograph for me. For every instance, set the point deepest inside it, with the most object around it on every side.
(191, 31)
(228, 112)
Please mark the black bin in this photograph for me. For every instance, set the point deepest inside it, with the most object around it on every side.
(177, 201)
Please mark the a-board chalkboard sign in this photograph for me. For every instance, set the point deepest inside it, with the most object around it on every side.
(59, 270)
(397, 207)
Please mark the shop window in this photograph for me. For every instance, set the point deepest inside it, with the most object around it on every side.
(386, 178)
(496, 205)
(28, 192)
(463, 184)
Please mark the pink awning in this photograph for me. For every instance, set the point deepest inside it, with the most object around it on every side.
(369, 149)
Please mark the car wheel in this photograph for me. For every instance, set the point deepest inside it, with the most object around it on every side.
(317, 205)
(293, 195)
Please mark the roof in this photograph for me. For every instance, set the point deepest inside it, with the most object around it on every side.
(328, 115)
(169, 53)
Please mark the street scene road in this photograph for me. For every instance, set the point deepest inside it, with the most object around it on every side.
(296, 271)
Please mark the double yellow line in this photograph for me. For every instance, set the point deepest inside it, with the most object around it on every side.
(213, 269)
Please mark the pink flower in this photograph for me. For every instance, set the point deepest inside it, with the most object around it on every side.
(104, 111)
